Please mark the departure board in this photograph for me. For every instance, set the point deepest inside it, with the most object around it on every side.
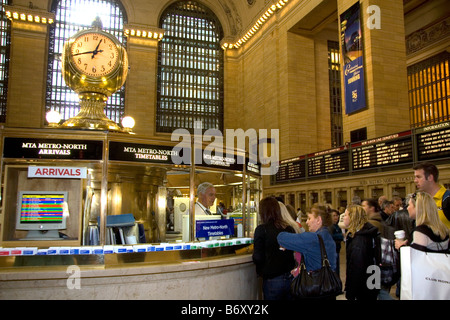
(389, 150)
(328, 162)
(408, 147)
(291, 169)
(433, 141)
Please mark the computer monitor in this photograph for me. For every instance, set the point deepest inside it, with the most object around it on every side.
(42, 214)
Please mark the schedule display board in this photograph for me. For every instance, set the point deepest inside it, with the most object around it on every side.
(433, 142)
(291, 169)
(384, 151)
(408, 147)
(328, 162)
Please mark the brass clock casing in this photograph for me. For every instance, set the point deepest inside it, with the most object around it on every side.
(85, 70)
(106, 83)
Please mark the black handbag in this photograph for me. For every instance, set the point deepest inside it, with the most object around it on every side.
(321, 283)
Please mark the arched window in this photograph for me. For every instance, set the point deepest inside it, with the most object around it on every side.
(5, 38)
(190, 69)
(71, 17)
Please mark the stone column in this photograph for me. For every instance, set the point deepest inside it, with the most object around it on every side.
(140, 98)
(384, 54)
(27, 68)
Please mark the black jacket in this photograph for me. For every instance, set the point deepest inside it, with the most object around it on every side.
(270, 261)
(362, 251)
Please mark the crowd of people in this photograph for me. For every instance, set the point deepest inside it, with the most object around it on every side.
(367, 229)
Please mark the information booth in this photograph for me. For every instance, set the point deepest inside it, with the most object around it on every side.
(122, 203)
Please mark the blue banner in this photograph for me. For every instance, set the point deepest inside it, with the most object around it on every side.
(352, 54)
(214, 228)
(355, 97)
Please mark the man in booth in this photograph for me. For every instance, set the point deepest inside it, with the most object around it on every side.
(206, 194)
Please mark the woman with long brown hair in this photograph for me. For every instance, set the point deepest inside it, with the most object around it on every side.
(272, 264)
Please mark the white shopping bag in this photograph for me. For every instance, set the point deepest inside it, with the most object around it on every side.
(424, 275)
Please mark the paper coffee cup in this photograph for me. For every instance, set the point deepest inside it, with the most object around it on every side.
(399, 234)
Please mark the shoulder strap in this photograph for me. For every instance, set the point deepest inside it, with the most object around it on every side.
(323, 252)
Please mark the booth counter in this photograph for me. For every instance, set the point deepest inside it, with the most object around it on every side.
(205, 273)
(118, 198)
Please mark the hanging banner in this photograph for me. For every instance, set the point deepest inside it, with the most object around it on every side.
(352, 57)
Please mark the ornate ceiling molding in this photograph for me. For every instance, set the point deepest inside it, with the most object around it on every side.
(427, 36)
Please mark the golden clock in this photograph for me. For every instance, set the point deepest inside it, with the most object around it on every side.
(93, 60)
(94, 54)
(94, 65)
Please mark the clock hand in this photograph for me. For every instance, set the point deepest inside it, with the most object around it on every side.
(77, 54)
(96, 49)
(98, 44)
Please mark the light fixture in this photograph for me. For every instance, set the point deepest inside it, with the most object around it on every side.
(53, 118)
(253, 29)
(143, 32)
(26, 14)
(128, 124)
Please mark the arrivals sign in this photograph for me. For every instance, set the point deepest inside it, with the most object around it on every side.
(57, 172)
(36, 148)
(352, 54)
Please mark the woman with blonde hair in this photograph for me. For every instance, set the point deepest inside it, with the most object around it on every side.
(287, 218)
(430, 233)
(362, 251)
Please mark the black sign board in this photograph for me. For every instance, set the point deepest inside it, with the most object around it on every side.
(220, 161)
(33, 148)
(125, 151)
(389, 150)
(134, 152)
(328, 162)
(253, 168)
(433, 142)
(291, 169)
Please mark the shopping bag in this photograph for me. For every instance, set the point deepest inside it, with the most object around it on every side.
(424, 275)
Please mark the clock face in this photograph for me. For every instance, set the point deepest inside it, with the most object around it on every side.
(94, 54)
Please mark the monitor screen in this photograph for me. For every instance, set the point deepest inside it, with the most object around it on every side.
(42, 210)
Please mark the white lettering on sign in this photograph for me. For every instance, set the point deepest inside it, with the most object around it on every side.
(57, 172)
(54, 148)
